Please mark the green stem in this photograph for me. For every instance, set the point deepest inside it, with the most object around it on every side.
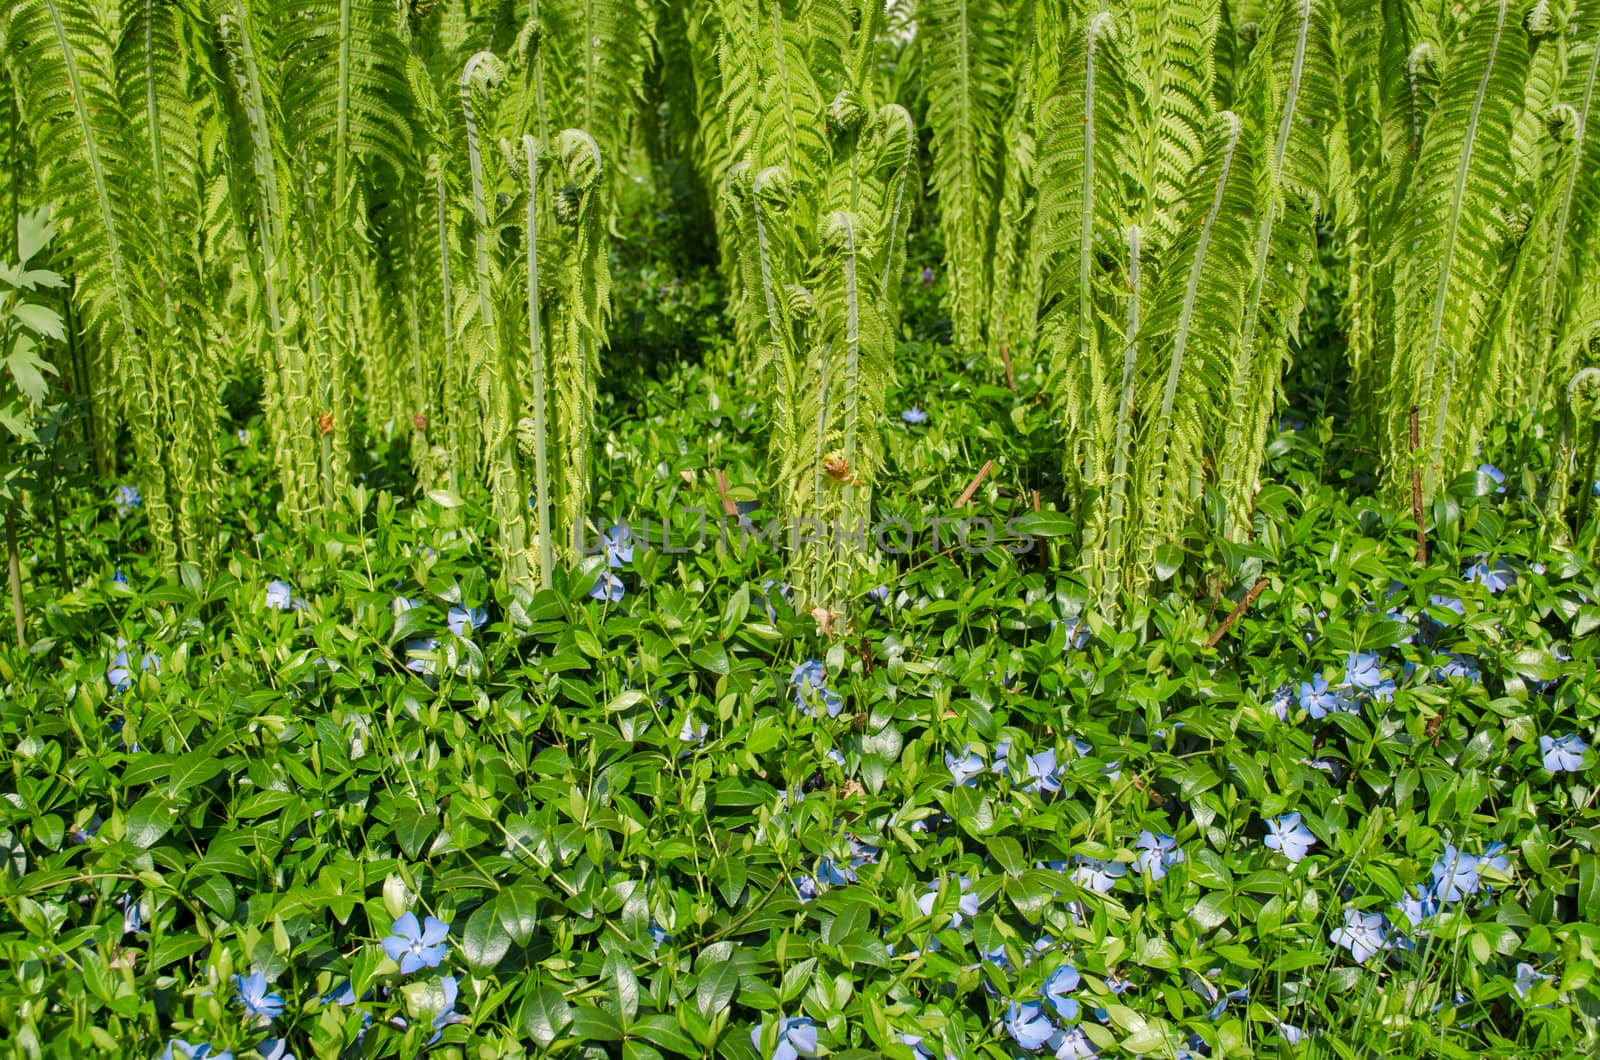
(541, 470)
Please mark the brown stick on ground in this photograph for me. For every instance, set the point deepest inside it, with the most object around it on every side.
(1011, 377)
(728, 507)
(1237, 613)
(972, 487)
(1416, 491)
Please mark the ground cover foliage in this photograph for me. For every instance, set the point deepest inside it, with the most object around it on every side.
(1206, 733)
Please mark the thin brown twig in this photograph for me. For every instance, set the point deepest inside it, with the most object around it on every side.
(1237, 613)
(972, 487)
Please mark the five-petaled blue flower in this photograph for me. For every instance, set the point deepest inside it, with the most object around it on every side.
(608, 587)
(274, 1049)
(415, 945)
(1289, 836)
(1319, 700)
(797, 1037)
(809, 679)
(1062, 982)
(1455, 875)
(617, 543)
(1496, 474)
(462, 620)
(1157, 853)
(1417, 905)
(1494, 578)
(1098, 875)
(914, 415)
(1563, 754)
(1363, 934)
(1362, 672)
(128, 499)
(1028, 1025)
(257, 1000)
(965, 768)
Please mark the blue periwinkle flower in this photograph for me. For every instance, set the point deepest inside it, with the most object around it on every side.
(280, 597)
(258, 1001)
(416, 650)
(119, 577)
(1157, 853)
(127, 499)
(1073, 1044)
(1417, 905)
(1062, 982)
(879, 595)
(608, 587)
(275, 1049)
(914, 415)
(1362, 672)
(463, 621)
(1042, 778)
(1495, 578)
(809, 679)
(1319, 700)
(1563, 754)
(965, 769)
(1460, 666)
(797, 1037)
(1028, 1025)
(927, 276)
(1496, 474)
(1098, 875)
(1527, 979)
(178, 1049)
(966, 904)
(415, 946)
(617, 543)
(1289, 836)
(1455, 875)
(693, 732)
(1363, 934)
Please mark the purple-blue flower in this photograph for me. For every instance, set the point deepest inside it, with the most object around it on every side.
(797, 1037)
(127, 499)
(1455, 875)
(1157, 853)
(1494, 578)
(966, 902)
(1289, 836)
(809, 679)
(966, 768)
(280, 595)
(1362, 672)
(274, 1049)
(415, 946)
(617, 543)
(463, 621)
(1097, 874)
(1563, 754)
(608, 587)
(914, 415)
(1028, 1025)
(1363, 934)
(1058, 988)
(1496, 474)
(1318, 699)
(258, 1001)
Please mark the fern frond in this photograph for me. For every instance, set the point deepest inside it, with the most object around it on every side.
(1452, 239)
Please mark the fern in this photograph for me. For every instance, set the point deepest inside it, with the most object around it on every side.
(968, 82)
(1452, 237)
(1291, 91)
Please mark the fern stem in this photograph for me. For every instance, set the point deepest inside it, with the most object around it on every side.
(1124, 415)
(541, 471)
